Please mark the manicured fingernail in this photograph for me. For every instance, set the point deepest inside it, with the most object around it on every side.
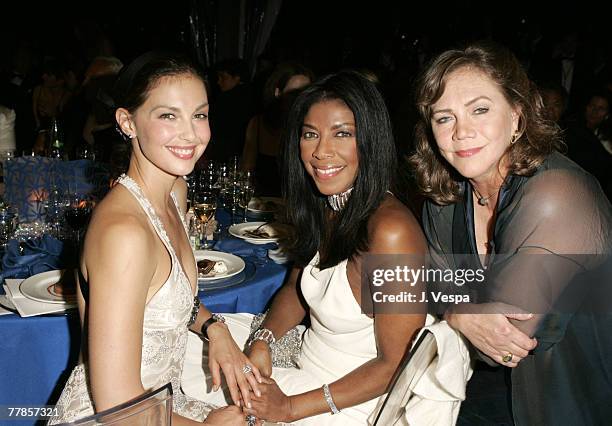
(249, 405)
(238, 404)
(259, 381)
(258, 393)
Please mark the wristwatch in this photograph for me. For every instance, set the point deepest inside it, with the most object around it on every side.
(210, 321)
(263, 334)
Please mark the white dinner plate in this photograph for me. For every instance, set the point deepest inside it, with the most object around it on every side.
(276, 230)
(40, 287)
(265, 204)
(235, 264)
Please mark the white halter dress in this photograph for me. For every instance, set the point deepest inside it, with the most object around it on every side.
(164, 336)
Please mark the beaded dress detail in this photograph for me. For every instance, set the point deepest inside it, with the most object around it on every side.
(164, 335)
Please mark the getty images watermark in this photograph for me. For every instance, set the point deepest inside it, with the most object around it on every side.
(536, 283)
(405, 275)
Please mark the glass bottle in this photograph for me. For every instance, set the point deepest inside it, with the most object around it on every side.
(56, 140)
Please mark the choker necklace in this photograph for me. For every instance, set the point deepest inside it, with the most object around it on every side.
(338, 201)
(482, 200)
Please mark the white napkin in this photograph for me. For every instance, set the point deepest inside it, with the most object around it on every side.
(4, 300)
(28, 307)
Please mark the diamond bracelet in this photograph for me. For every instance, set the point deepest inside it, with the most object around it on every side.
(329, 400)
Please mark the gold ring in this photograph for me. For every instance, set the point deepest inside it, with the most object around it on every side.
(507, 357)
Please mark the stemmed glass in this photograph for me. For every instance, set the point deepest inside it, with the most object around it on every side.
(204, 208)
(247, 192)
(77, 212)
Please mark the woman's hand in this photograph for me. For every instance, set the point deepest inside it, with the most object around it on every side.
(488, 328)
(225, 416)
(273, 405)
(259, 354)
(224, 354)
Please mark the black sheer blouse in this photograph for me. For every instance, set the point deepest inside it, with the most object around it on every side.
(550, 255)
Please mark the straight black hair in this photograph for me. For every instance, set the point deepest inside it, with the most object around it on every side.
(338, 236)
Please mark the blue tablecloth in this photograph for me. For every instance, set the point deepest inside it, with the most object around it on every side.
(38, 353)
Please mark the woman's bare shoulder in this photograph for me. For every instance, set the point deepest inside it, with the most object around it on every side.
(393, 228)
(119, 221)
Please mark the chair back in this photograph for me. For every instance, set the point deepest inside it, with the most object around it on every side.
(411, 369)
(150, 409)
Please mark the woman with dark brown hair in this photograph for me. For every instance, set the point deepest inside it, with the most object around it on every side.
(503, 200)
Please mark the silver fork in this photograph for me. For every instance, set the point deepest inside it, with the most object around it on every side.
(253, 232)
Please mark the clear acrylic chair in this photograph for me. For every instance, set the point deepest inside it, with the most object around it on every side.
(153, 408)
(411, 369)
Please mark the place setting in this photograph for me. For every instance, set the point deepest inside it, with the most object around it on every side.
(49, 292)
(219, 270)
(260, 232)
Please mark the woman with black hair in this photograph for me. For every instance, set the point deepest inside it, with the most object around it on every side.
(338, 163)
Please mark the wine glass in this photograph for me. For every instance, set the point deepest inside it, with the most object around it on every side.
(204, 208)
(247, 192)
(76, 213)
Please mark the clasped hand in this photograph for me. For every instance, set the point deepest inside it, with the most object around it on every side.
(271, 404)
(240, 373)
(487, 326)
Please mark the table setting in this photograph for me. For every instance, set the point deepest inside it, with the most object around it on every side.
(39, 322)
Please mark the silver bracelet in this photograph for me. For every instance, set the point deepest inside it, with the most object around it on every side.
(263, 334)
(329, 400)
(194, 311)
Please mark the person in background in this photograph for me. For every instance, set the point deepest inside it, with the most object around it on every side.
(588, 139)
(263, 135)
(338, 163)
(137, 286)
(555, 99)
(503, 199)
(49, 97)
(48, 100)
(234, 105)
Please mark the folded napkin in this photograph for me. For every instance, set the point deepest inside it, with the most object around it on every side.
(39, 255)
(5, 301)
(28, 307)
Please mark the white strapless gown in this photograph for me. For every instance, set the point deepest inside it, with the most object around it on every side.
(340, 339)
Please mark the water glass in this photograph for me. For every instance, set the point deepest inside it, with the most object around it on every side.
(248, 190)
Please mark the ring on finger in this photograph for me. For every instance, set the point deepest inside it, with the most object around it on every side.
(251, 420)
(508, 357)
(247, 369)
